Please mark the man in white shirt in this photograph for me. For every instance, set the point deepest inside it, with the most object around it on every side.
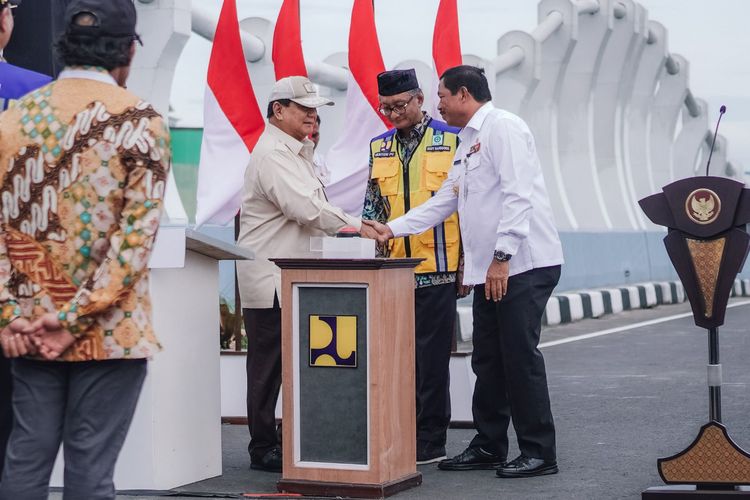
(283, 206)
(512, 256)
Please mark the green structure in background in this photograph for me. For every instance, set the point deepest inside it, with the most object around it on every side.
(186, 154)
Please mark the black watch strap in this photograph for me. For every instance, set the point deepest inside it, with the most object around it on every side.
(501, 256)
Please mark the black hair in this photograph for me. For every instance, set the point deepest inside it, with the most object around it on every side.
(283, 102)
(109, 52)
(470, 77)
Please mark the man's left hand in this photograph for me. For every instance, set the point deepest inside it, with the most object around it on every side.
(496, 284)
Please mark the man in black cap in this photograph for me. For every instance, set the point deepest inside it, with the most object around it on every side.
(85, 165)
(14, 83)
(408, 164)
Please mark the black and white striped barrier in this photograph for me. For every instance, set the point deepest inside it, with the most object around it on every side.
(573, 306)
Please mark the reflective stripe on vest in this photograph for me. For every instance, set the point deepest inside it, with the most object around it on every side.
(428, 168)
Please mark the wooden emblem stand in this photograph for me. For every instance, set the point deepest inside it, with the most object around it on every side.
(707, 244)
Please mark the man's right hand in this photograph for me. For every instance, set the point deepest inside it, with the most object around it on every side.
(15, 341)
(368, 231)
(383, 233)
(50, 337)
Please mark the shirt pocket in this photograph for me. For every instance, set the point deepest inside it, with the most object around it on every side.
(477, 178)
(385, 171)
(435, 168)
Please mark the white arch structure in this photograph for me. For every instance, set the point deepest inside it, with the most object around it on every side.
(610, 106)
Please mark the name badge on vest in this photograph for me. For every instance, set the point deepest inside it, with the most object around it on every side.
(385, 149)
(437, 143)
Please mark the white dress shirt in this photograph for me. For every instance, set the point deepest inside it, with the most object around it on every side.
(497, 186)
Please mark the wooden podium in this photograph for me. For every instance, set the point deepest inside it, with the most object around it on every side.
(348, 377)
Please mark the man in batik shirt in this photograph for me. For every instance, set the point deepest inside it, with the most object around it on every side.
(84, 167)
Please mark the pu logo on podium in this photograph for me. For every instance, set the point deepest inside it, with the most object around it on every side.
(333, 341)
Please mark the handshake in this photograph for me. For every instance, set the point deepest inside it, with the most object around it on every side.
(44, 337)
(374, 230)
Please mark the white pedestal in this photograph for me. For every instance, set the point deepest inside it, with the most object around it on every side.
(175, 437)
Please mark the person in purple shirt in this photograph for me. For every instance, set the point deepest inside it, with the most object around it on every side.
(15, 82)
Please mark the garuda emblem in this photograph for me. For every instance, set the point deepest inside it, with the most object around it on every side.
(703, 206)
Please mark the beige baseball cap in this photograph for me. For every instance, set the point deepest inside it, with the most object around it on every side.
(300, 90)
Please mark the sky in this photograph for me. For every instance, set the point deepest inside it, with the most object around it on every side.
(714, 36)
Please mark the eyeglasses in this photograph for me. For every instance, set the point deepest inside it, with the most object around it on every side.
(398, 109)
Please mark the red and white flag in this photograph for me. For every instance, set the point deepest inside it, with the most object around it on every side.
(286, 55)
(446, 44)
(232, 123)
(348, 157)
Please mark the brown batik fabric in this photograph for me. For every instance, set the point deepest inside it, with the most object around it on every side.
(83, 168)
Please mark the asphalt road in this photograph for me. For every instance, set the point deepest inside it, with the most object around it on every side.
(626, 390)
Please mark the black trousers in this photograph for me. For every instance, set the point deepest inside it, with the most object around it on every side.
(88, 406)
(511, 378)
(435, 318)
(263, 327)
(6, 409)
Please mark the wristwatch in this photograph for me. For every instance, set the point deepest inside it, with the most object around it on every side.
(501, 256)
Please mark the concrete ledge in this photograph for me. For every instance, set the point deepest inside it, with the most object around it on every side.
(566, 307)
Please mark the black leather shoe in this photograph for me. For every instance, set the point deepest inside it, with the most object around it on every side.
(270, 462)
(527, 467)
(428, 453)
(472, 458)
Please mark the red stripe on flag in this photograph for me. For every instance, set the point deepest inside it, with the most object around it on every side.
(229, 80)
(446, 41)
(287, 56)
(365, 59)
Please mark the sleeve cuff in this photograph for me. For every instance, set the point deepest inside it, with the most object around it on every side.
(69, 320)
(508, 244)
(398, 228)
(355, 223)
(10, 311)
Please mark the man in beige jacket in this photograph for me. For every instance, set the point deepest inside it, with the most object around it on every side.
(283, 206)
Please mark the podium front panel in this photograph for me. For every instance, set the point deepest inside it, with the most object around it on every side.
(330, 337)
(348, 375)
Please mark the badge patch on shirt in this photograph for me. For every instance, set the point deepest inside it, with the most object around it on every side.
(386, 146)
(431, 149)
(475, 148)
(437, 138)
(384, 154)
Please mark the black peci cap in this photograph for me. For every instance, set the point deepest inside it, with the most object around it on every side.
(397, 81)
(115, 18)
